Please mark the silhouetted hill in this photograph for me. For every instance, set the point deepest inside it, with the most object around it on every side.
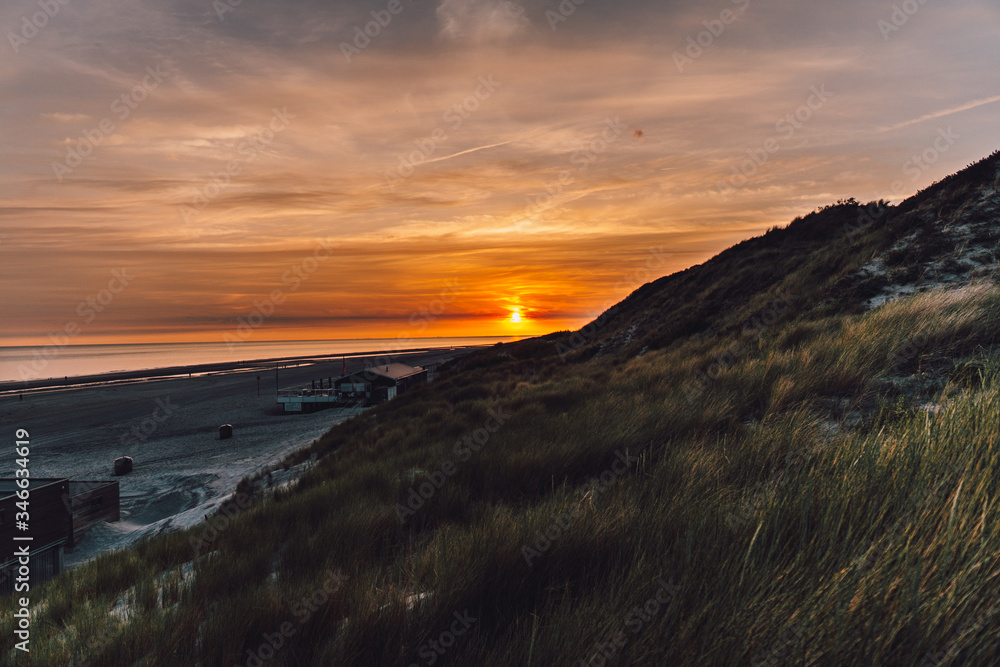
(785, 455)
(815, 261)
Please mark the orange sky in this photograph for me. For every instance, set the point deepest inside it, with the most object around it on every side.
(469, 161)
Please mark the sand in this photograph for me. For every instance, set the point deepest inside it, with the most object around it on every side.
(170, 427)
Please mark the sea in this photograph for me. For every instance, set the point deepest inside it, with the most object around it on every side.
(20, 363)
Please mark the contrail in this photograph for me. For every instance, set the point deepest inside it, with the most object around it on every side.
(465, 152)
(941, 114)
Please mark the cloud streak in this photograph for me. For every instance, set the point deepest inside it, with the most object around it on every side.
(942, 114)
(466, 213)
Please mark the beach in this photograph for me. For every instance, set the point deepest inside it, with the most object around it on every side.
(169, 424)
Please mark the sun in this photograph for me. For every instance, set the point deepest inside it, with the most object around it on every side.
(515, 317)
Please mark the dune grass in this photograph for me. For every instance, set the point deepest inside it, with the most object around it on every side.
(828, 498)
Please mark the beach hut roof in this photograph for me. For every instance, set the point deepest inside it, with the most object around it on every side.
(396, 371)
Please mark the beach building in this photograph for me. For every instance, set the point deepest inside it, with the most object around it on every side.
(380, 383)
(92, 503)
(59, 513)
(372, 385)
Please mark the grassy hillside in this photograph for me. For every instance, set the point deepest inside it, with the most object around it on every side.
(737, 465)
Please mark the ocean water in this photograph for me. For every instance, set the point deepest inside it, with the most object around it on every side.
(52, 361)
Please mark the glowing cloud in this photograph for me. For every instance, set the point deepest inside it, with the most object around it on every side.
(481, 21)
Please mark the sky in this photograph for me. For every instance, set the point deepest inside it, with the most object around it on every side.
(209, 170)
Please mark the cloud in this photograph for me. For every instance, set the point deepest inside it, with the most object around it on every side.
(509, 200)
(66, 117)
(481, 20)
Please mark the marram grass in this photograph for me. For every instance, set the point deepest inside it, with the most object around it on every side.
(808, 507)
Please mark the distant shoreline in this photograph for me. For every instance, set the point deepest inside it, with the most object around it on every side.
(73, 381)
